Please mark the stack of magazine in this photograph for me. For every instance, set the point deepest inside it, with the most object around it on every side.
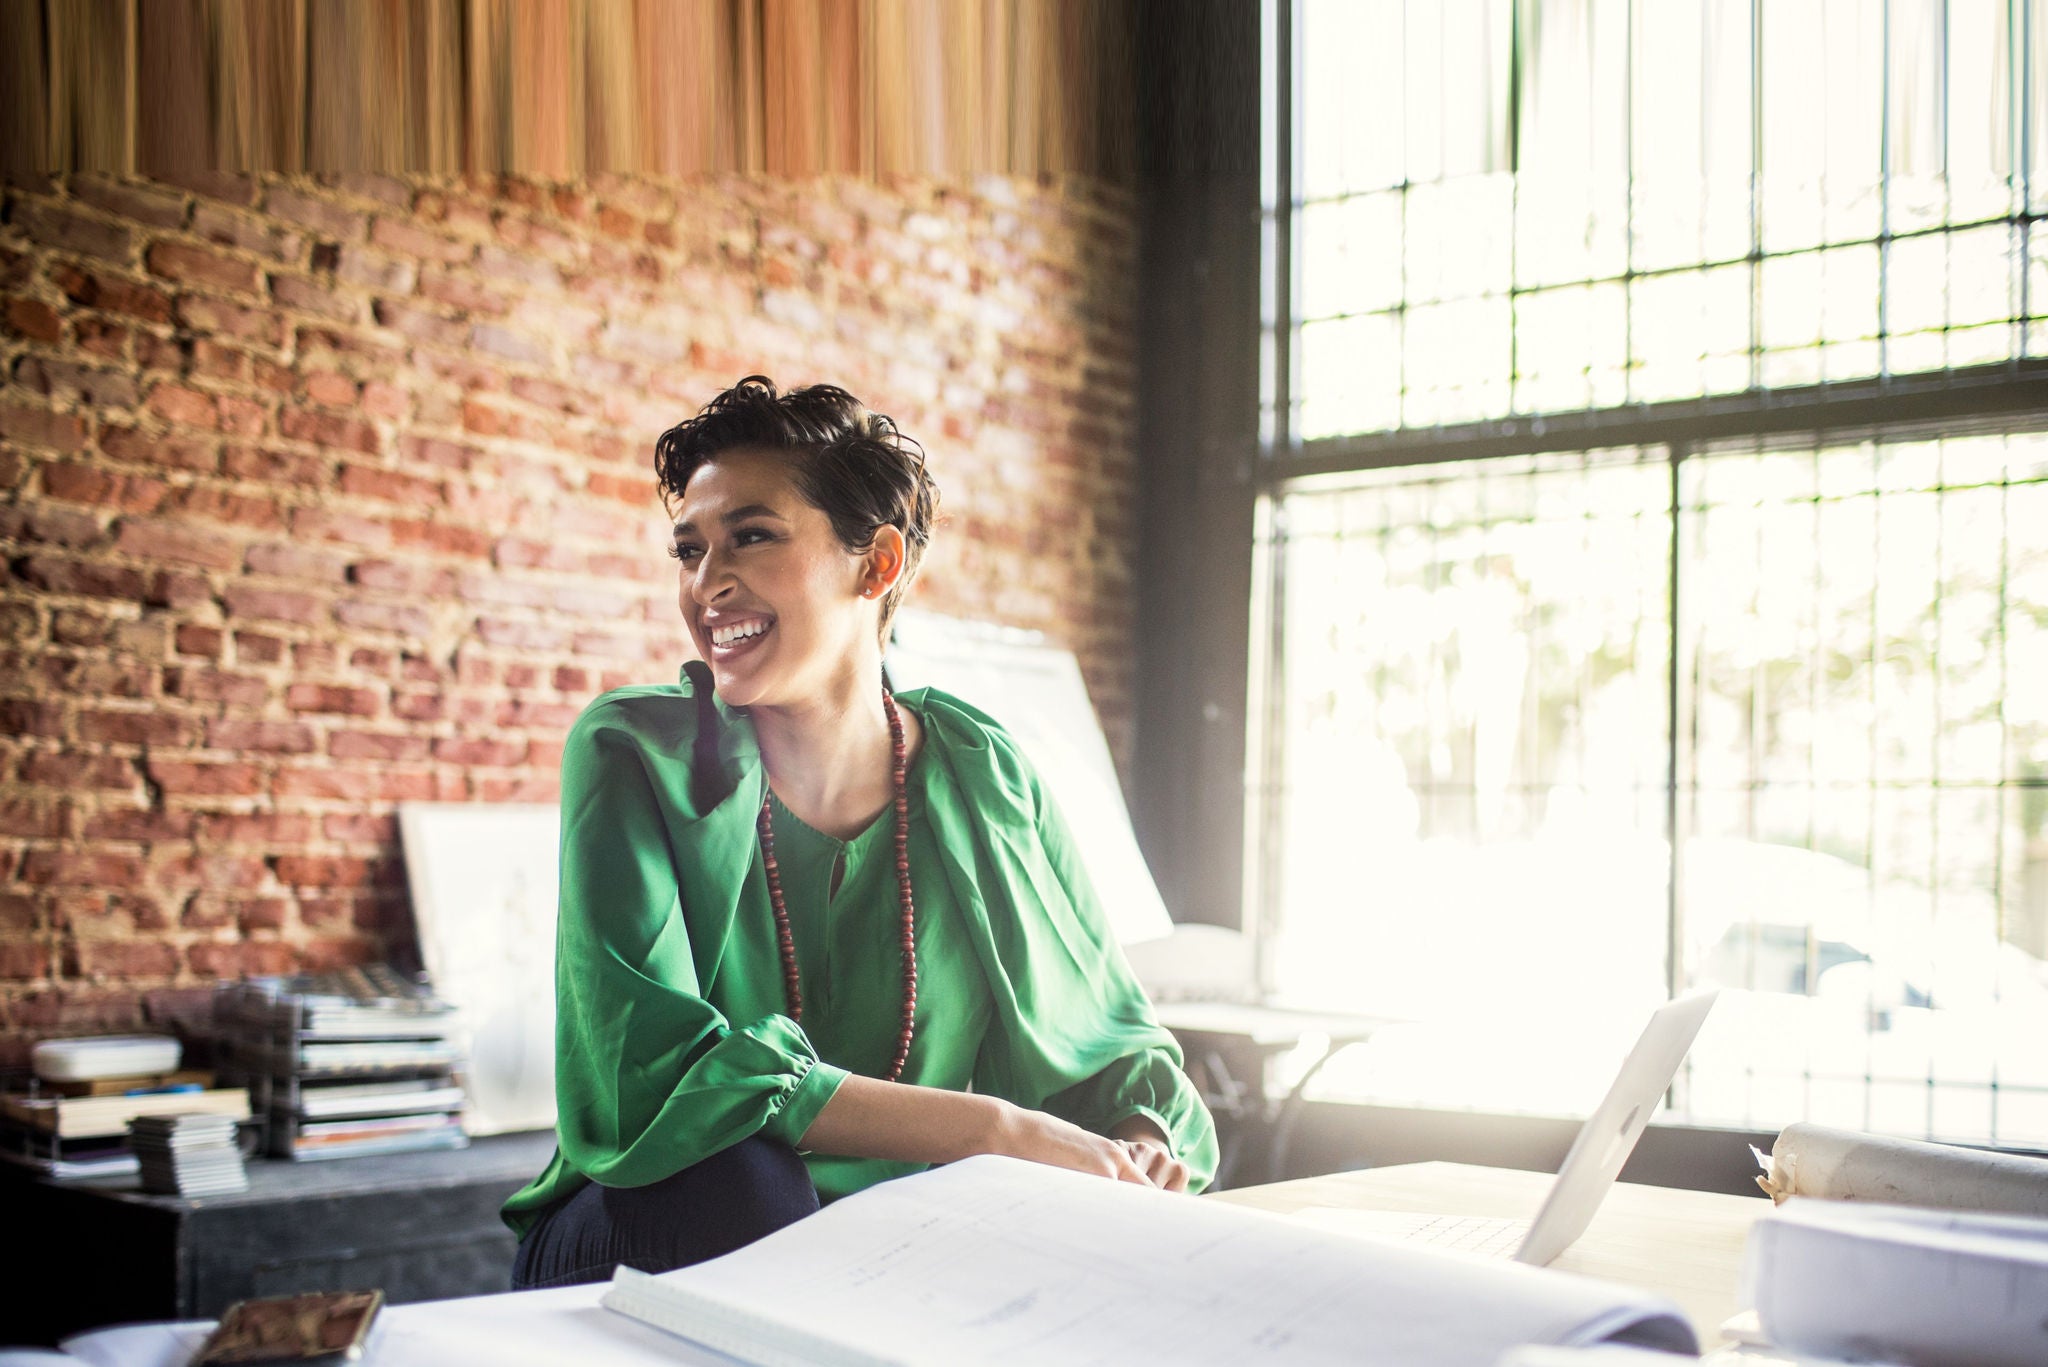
(342, 1064)
(188, 1155)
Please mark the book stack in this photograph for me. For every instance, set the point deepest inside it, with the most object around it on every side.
(345, 1064)
(188, 1155)
(71, 1121)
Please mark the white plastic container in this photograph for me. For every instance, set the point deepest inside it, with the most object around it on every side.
(80, 1060)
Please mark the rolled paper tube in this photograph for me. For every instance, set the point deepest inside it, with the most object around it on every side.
(1844, 1165)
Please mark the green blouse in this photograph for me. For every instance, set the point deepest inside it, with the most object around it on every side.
(672, 1040)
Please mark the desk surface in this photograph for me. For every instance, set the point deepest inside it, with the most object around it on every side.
(1685, 1244)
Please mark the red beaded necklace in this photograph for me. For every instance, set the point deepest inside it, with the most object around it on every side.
(792, 990)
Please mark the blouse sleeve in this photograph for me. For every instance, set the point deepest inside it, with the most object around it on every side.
(1082, 1043)
(649, 1076)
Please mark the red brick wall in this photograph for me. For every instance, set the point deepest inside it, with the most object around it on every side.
(321, 495)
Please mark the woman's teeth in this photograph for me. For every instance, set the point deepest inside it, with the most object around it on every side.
(725, 636)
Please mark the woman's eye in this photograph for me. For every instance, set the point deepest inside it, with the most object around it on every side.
(684, 553)
(748, 536)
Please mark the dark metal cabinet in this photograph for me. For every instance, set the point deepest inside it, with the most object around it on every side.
(422, 1226)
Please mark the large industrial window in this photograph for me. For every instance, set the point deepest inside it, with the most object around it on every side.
(1593, 670)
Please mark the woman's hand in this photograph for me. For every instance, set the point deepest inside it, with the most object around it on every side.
(1041, 1138)
(1158, 1164)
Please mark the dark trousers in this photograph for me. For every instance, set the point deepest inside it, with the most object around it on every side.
(732, 1198)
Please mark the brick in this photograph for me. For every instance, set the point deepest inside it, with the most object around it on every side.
(337, 698)
(404, 619)
(197, 684)
(80, 868)
(155, 539)
(329, 430)
(76, 383)
(274, 467)
(376, 271)
(154, 727)
(31, 817)
(187, 407)
(32, 426)
(69, 769)
(421, 325)
(215, 361)
(199, 266)
(271, 737)
(246, 958)
(254, 648)
(36, 521)
(514, 346)
(460, 291)
(212, 503)
(419, 707)
(27, 717)
(70, 230)
(177, 589)
(24, 960)
(391, 485)
(311, 296)
(159, 448)
(72, 627)
(332, 390)
(139, 203)
(394, 746)
(404, 237)
(88, 578)
(197, 640)
(280, 605)
(322, 871)
(497, 754)
(256, 828)
(325, 781)
(351, 529)
(309, 211)
(112, 294)
(246, 232)
(403, 576)
(101, 337)
(139, 823)
(80, 482)
(33, 319)
(298, 562)
(262, 913)
(439, 536)
(193, 778)
(386, 400)
(206, 314)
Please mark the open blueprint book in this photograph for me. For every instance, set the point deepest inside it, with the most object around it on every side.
(994, 1260)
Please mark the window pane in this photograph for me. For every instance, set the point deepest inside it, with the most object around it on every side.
(1862, 865)
(1867, 158)
(1475, 702)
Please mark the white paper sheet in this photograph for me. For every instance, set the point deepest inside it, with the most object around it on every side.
(993, 1260)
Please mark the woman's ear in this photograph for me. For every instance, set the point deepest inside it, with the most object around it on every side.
(885, 563)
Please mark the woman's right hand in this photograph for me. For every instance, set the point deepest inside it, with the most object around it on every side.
(1041, 1138)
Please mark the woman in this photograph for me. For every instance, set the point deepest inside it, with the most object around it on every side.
(802, 918)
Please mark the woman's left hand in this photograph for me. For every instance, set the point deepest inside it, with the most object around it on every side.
(1160, 1167)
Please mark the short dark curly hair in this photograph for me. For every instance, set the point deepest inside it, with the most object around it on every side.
(850, 463)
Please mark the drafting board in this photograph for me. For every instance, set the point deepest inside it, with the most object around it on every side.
(484, 880)
(1035, 690)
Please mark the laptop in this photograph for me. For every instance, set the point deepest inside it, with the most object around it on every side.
(1589, 1170)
